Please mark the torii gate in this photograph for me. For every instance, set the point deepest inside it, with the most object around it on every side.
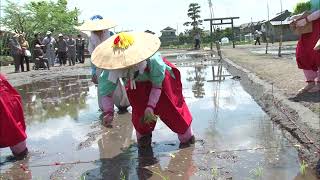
(213, 23)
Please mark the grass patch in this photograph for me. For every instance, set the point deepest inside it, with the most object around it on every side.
(6, 60)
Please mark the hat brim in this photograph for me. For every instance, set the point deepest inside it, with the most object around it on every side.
(144, 46)
(97, 25)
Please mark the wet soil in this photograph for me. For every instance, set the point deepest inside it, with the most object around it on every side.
(235, 138)
(281, 72)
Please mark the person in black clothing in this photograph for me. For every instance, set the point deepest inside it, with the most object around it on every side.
(80, 49)
(257, 37)
(40, 61)
(36, 40)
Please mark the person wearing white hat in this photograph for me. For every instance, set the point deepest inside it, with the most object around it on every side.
(154, 85)
(49, 44)
(62, 50)
(99, 28)
(40, 61)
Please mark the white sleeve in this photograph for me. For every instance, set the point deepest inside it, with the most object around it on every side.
(314, 16)
(91, 45)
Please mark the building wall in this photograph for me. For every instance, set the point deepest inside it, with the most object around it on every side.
(168, 37)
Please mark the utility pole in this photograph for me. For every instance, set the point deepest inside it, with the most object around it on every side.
(267, 28)
(280, 41)
(211, 16)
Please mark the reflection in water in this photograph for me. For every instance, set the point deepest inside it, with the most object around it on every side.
(120, 160)
(54, 98)
(115, 154)
(198, 79)
(114, 163)
(225, 117)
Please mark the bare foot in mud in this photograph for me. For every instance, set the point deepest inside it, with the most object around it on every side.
(21, 155)
(190, 142)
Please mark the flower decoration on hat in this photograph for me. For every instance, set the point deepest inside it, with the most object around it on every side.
(123, 41)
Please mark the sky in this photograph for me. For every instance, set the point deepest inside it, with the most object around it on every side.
(155, 15)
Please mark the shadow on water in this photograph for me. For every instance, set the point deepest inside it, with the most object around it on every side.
(235, 138)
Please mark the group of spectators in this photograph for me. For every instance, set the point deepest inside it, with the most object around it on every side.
(19, 49)
(47, 51)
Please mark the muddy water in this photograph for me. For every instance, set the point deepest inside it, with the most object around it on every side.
(235, 137)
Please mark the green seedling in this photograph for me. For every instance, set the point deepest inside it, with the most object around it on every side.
(214, 172)
(83, 177)
(161, 176)
(303, 167)
(257, 172)
(122, 175)
(149, 118)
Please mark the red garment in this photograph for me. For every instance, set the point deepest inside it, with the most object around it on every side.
(171, 107)
(12, 124)
(307, 58)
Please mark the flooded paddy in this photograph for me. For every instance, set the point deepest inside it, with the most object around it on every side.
(235, 138)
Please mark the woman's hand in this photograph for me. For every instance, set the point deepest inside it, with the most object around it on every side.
(107, 119)
(149, 116)
(148, 111)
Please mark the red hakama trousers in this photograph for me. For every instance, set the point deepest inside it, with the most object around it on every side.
(171, 107)
(12, 124)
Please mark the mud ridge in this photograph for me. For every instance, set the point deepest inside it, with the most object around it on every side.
(299, 124)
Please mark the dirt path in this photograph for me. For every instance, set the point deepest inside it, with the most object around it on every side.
(18, 79)
(282, 72)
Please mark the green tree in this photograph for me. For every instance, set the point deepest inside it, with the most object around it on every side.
(194, 15)
(227, 33)
(15, 17)
(40, 16)
(302, 7)
(48, 15)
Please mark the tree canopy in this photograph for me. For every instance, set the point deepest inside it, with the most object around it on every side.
(40, 16)
(302, 7)
(194, 15)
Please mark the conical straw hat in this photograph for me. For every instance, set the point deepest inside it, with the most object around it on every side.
(97, 25)
(136, 47)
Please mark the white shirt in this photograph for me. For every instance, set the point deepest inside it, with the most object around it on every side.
(49, 43)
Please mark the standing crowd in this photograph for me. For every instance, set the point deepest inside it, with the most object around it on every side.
(47, 51)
